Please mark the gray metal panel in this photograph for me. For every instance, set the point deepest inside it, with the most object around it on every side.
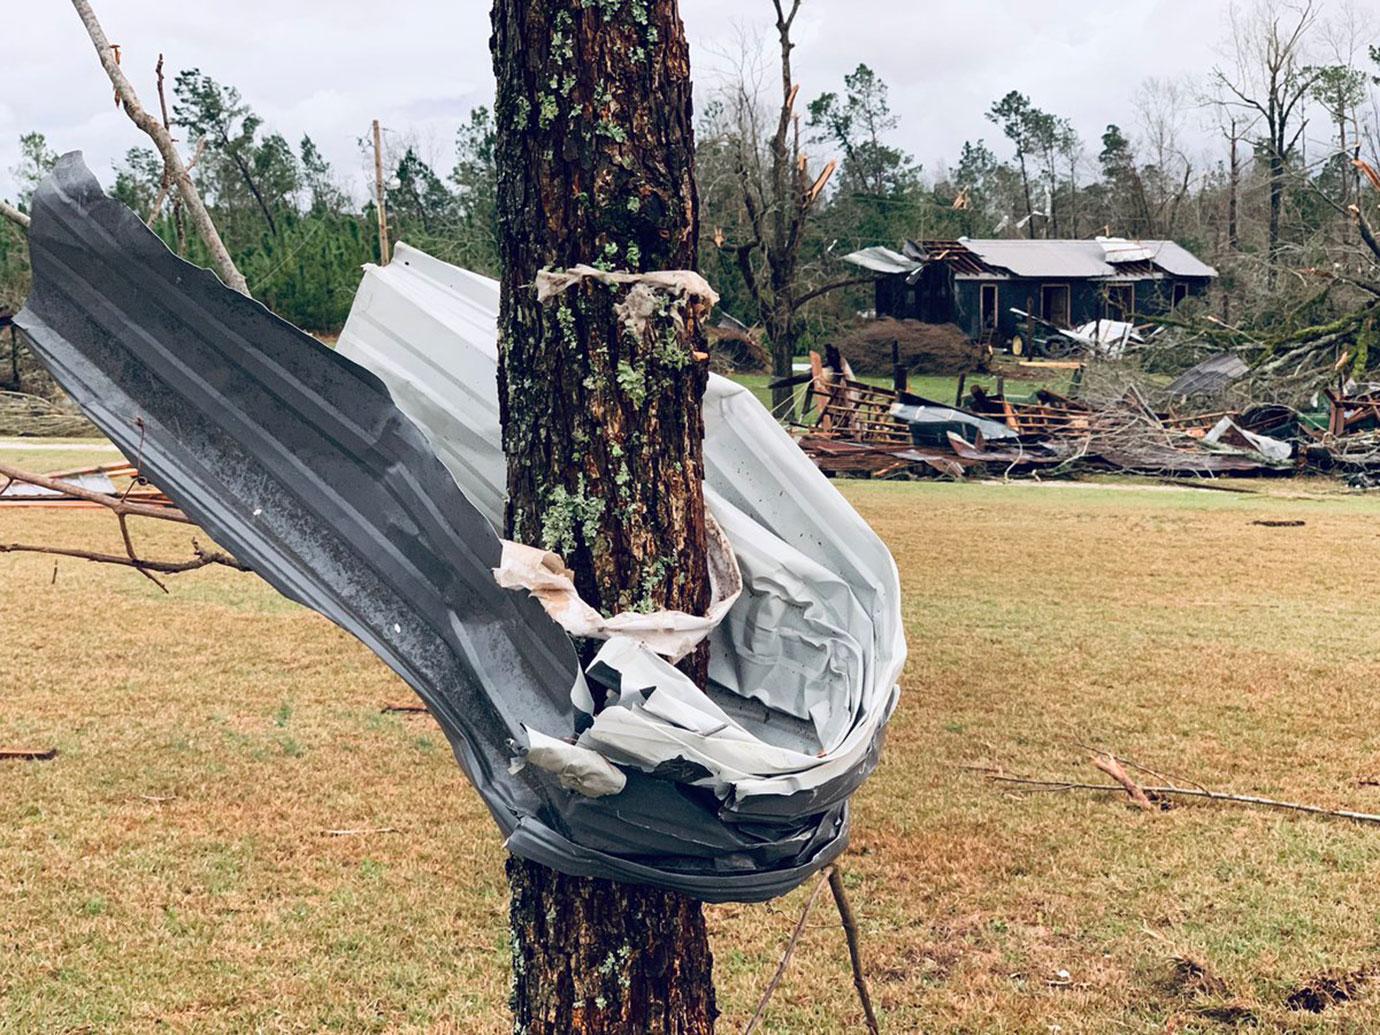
(1177, 260)
(298, 461)
(882, 260)
(1045, 260)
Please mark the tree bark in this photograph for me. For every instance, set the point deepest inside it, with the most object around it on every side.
(603, 430)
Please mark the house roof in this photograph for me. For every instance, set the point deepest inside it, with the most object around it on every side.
(1098, 258)
(1103, 258)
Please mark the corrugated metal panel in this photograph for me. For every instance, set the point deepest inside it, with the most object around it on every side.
(882, 260)
(830, 654)
(1177, 260)
(1044, 259)
(300, 462)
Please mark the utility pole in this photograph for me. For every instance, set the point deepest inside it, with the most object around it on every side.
(380, 197)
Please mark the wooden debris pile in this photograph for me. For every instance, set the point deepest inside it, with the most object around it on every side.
(859, 429)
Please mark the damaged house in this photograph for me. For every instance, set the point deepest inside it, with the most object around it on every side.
(977, 283)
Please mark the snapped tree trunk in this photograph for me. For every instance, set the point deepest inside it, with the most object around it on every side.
(603, 431)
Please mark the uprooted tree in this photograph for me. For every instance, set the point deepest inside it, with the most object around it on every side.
(601, 377)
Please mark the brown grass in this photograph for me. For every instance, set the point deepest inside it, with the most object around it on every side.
(169, 869)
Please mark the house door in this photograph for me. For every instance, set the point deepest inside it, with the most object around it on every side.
(988, 296)
(1054, 304)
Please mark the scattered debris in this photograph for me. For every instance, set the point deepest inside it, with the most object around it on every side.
(863, 429)
(360, 831)
(24, 414)
(1168, 788)
(1272, 523)
(410, 709)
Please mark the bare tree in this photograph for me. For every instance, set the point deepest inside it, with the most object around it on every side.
(778, 195)
(1267, 73)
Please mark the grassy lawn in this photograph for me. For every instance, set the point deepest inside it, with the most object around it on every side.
(172, 869)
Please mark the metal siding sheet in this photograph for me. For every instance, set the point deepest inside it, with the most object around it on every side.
(299, 461)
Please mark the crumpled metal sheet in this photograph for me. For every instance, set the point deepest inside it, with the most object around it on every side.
(808, 655)
(299, 461)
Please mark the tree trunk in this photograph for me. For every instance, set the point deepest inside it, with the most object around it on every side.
(603, 431)
(1233, 194)
(780, 328)
(1276, 208)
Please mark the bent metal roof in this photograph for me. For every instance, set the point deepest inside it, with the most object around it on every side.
(1103, 258)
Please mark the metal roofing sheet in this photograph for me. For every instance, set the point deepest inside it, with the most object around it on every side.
(1041, 259)
(300, 462)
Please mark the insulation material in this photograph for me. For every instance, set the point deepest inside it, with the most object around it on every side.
(303, 464)
(672, 634)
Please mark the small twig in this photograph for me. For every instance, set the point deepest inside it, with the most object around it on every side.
(360, 831)
(790, 950)
(850, 931)
(410, 709)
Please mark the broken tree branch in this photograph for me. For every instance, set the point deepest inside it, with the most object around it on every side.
(123, 509)
(850, 932)
(162, 139)
(1188, 792)
(790, 950)
(19, 219)
(1109, 765)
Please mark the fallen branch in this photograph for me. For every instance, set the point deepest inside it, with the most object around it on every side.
(790, 950)
(1188, 792)
(360, 831)
(1109, 765)
(162, 139)
(123, 509)
(29, 754)
(410, 709)
(13, 214)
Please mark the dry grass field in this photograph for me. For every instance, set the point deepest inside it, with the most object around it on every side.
(171, 869)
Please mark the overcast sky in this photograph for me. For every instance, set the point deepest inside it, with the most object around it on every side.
(326, 67)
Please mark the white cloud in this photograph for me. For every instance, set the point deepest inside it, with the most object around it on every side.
(327, 67)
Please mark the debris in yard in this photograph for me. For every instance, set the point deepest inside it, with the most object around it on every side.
(24, 414)
(859, 428)
(419, 709)
(360, 831)
(123, 506)
(1274, 523)
(1167, 789)
(101, 480)
(1209, 377)
(29, 754)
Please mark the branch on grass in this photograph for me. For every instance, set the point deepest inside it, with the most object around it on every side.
(1187, 792)
(162, 139)
(123, 509)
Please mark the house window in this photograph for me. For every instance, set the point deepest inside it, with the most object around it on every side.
(1180, 293)
(1054, 304)
(989, 307)
(1121, 301)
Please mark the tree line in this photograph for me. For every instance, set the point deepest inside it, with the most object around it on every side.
(789, 185)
